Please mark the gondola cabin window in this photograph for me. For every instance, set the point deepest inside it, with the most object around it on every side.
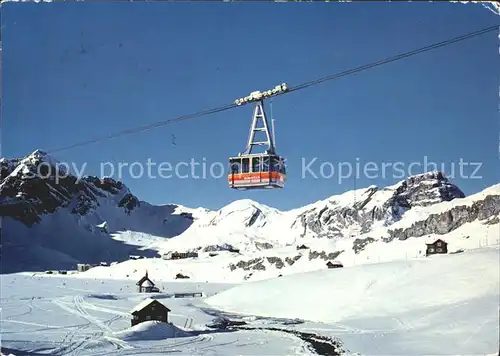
(245, 165)
(265, 164)
(235, 168)
(256, 164)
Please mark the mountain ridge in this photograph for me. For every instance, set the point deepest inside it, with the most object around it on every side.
(101, 219)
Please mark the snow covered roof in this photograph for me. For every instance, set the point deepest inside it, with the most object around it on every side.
(144, 304)
(334, 263)
(145, 279)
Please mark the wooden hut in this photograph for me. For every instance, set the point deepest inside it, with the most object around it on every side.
(147, 310)
(334, 264)
(438, 246)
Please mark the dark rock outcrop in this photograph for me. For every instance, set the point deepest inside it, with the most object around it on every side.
(449, 220)
(35, 185)
(215, 248)
(335, 219)
(257, 264)
(276, 261)
(492, 220)
(279, 263)
(253, 264)
(323, 255)
(291, 261)
(359, 245)
(51, 217)
(263, 245)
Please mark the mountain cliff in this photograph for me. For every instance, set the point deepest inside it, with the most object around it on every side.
(52, 219)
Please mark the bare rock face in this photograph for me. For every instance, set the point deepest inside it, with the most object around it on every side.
(215, 248)
(257, 264)
(360, 244)
(52, 218)
(263, 245)
(323, 255)
(276, 261)
(492, 220)
(336, 218)
(34, 186)
(291, 261)
(253, 264)
(450, 220)
(424, 190)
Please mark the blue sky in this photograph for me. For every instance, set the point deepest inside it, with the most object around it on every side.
(77, 71)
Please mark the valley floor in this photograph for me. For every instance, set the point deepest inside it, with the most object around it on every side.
(63, 315)
(44, 315)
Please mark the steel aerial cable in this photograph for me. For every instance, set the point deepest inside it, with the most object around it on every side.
(292, 89)
(146, 127)
(393, 58)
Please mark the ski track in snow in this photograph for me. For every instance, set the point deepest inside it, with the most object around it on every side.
(65, 321)
(402, 308)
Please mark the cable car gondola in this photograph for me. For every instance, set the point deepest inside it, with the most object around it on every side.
(258, 170)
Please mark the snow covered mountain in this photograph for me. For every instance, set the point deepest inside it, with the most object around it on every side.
(350, 214)
(94, 220)
(54, 220)
(362, 226)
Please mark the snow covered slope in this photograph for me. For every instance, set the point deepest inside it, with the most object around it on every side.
(437, 306)
(251, 226)
(227, 267)
(64, 316)
(54, 220)
(445, 304)
(369, 225)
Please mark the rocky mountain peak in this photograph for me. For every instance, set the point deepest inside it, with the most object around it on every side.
(427, 189)
(37, 184)
(358, 212)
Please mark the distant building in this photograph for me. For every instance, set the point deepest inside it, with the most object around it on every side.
(147, 310)
(181, 276)
(146, 285)
(302, 247)
(334, 264)
(82, 267)
(188, 295)
(438, 246)
(135, 257)
(179, 255)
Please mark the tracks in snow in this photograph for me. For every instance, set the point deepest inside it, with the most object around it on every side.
(163, 349)
(79, 308)
(74, 343)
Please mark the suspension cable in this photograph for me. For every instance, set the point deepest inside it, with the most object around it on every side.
(292, 89)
